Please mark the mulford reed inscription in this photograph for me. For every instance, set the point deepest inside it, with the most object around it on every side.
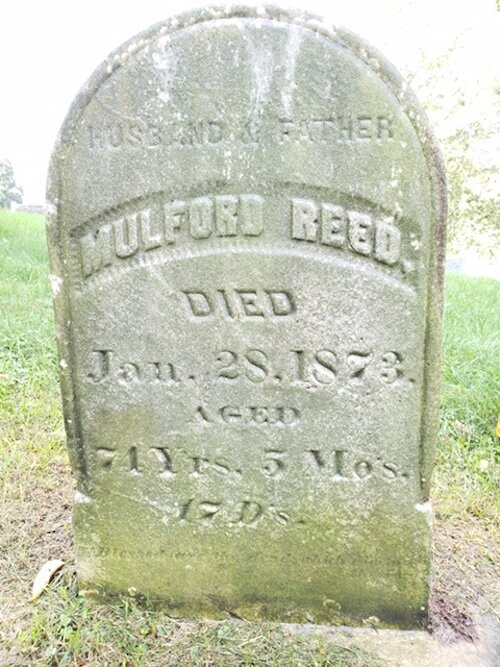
(227, 216)
(246, 215)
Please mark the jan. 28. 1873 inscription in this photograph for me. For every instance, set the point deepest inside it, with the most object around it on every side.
(246, 214)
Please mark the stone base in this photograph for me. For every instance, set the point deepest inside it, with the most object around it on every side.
(399, 648)
(308, 572)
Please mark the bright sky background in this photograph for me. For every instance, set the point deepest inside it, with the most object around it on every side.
(49, 48)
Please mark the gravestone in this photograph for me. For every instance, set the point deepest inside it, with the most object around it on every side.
(246, 220)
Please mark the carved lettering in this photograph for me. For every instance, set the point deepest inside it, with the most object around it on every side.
(127, 235)
(304, 220)
(387, 243)
(238, 512)
(250, 512)
(339, 128)
(359, 230)
(219, 216)
(101, 360)
(274, 464)
(96, 250)
(227, 218)
(354, 369)
(259, 415)
(163, 456)
(106, 366)
(339, 465)
(134, 465)
(342, 466)
(106, 456)
(174, 212)
(240, 304)
(331, 225)
(150, 230)
(200, 218)
(140, 134)
(199, 304)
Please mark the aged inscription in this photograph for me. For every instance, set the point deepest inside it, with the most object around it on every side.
(246, 208)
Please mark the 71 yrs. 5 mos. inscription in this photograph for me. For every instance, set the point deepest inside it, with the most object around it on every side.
(246, 215)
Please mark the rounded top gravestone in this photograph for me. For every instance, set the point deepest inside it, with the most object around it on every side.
(246, 222)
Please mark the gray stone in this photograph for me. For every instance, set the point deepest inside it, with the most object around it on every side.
(246, 221)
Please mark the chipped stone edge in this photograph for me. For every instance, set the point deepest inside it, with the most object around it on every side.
(416, 115)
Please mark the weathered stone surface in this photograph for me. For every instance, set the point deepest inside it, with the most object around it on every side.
(246, 229)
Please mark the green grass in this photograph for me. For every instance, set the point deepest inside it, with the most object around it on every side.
(29, 399)
(26, 327)
(36, 488)
(127, 634)
(467, 472)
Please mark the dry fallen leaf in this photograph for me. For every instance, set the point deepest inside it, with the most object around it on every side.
(44, 576)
